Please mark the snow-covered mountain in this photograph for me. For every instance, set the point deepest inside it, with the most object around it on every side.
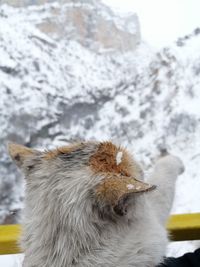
(60, 84)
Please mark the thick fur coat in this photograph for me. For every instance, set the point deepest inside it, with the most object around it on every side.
(87, 205)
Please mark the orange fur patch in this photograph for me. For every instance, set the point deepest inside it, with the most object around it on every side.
(120, 174)
(48, 155)
(105, 160)
(114, 187)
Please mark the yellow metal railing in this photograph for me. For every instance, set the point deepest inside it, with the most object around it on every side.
(9, 236)
(184, 227)
(181, 227)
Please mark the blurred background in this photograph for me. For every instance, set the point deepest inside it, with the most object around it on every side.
(126, 71)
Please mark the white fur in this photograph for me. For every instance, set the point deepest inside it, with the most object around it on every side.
(119, 157)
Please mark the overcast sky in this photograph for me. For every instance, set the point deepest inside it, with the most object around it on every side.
(162, 21)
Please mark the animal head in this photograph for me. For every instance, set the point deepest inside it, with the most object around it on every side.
(83, 178)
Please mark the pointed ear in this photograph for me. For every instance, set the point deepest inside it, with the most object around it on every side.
(115, 190)
(22, 155)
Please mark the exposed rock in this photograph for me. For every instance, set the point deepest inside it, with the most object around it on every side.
(90, 23)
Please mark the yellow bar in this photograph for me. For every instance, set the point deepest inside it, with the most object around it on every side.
(181, 227)
(184, 227)
(9, 236)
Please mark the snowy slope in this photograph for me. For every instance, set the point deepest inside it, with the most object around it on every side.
(54, 90)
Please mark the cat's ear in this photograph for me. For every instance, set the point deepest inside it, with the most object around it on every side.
(25, 158)
(116, 190)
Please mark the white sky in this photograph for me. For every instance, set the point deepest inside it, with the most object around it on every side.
(162, 21)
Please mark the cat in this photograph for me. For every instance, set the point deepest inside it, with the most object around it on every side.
(87, 205)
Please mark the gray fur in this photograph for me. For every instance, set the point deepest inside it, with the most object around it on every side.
(63, 226)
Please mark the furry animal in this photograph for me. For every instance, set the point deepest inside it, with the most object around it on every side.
(87, 205)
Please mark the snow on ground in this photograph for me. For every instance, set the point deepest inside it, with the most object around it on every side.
(57, 90)
(11, 260)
